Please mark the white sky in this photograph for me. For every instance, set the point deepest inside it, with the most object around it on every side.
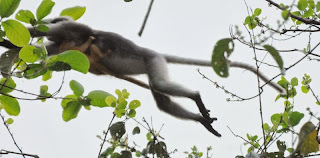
(183, 28)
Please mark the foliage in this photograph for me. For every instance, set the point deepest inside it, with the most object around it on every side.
(30, 62)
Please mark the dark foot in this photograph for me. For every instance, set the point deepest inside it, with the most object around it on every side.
(208, 126)
(203, 110)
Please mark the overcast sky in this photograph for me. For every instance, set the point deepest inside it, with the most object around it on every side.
(186, 28)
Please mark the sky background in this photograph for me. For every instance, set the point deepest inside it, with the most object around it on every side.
(185, 28)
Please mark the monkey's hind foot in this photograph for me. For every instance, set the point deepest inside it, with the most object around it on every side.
(209, 127)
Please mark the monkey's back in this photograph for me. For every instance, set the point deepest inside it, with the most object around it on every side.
(125, 58)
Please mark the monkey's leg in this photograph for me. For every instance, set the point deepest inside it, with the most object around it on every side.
(96, 66)
(159, 80)
(165, 104)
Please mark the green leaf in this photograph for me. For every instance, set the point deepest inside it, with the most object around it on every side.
(311, 4)
(27, 55)
(275, 119)
(297, 13)
(132, 113)
(25, 16)
(67, 99)
(294, 81)
(98, 98)
(285, 14)
(125, 93)
(318, 6)
(310, 144)
(161, 150)
(134, 104)
(59, 66)
(136, 130)
(42, 28)
(71, 110)
(77, 60)
(77, 88)
(118, 92)
(111, 101)
(7, 60)
(279, 96)
(119, 112)
(149, 137)
(9, 85)
(115, 155)
(44, 89)
(44, 9)
(117, 130)
(222, 49)
(266, 127)
(257, 11)
(11, 105)
(9, 121)
(304, 89)
(122, 105)
(302, 4)
(8, 7)
(286, 103)
(17, 33)
(138, 153)
(295, 117)
(34, 71)
(151, 147)
(107, 152)
(47, 76)
(125, 154)
(74, 12)
(290, 150)
(44, 93)
(305, 131)
(308, 13)
(281, 146)
(275, 54)
(250, 21)
(285, 119)
(298, 22)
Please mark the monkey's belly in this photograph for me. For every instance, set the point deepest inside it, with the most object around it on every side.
(125, 66)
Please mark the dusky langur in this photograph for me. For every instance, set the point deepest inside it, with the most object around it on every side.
(113, 54)
(95, 55)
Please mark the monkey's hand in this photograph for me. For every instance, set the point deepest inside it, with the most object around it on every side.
(92, 38)
(208, 126)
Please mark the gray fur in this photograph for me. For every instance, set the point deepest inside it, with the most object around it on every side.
(127, 58)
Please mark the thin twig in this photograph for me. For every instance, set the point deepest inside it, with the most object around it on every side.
(105, 135)
(12, 137)
(252, 41)
(222, 87)
(4, 152)
(145, 18)
(240, 136)
(304, 20)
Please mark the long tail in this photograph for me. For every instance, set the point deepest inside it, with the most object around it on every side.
(187, 61)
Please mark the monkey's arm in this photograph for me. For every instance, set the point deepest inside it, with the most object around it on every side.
(71, 45)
